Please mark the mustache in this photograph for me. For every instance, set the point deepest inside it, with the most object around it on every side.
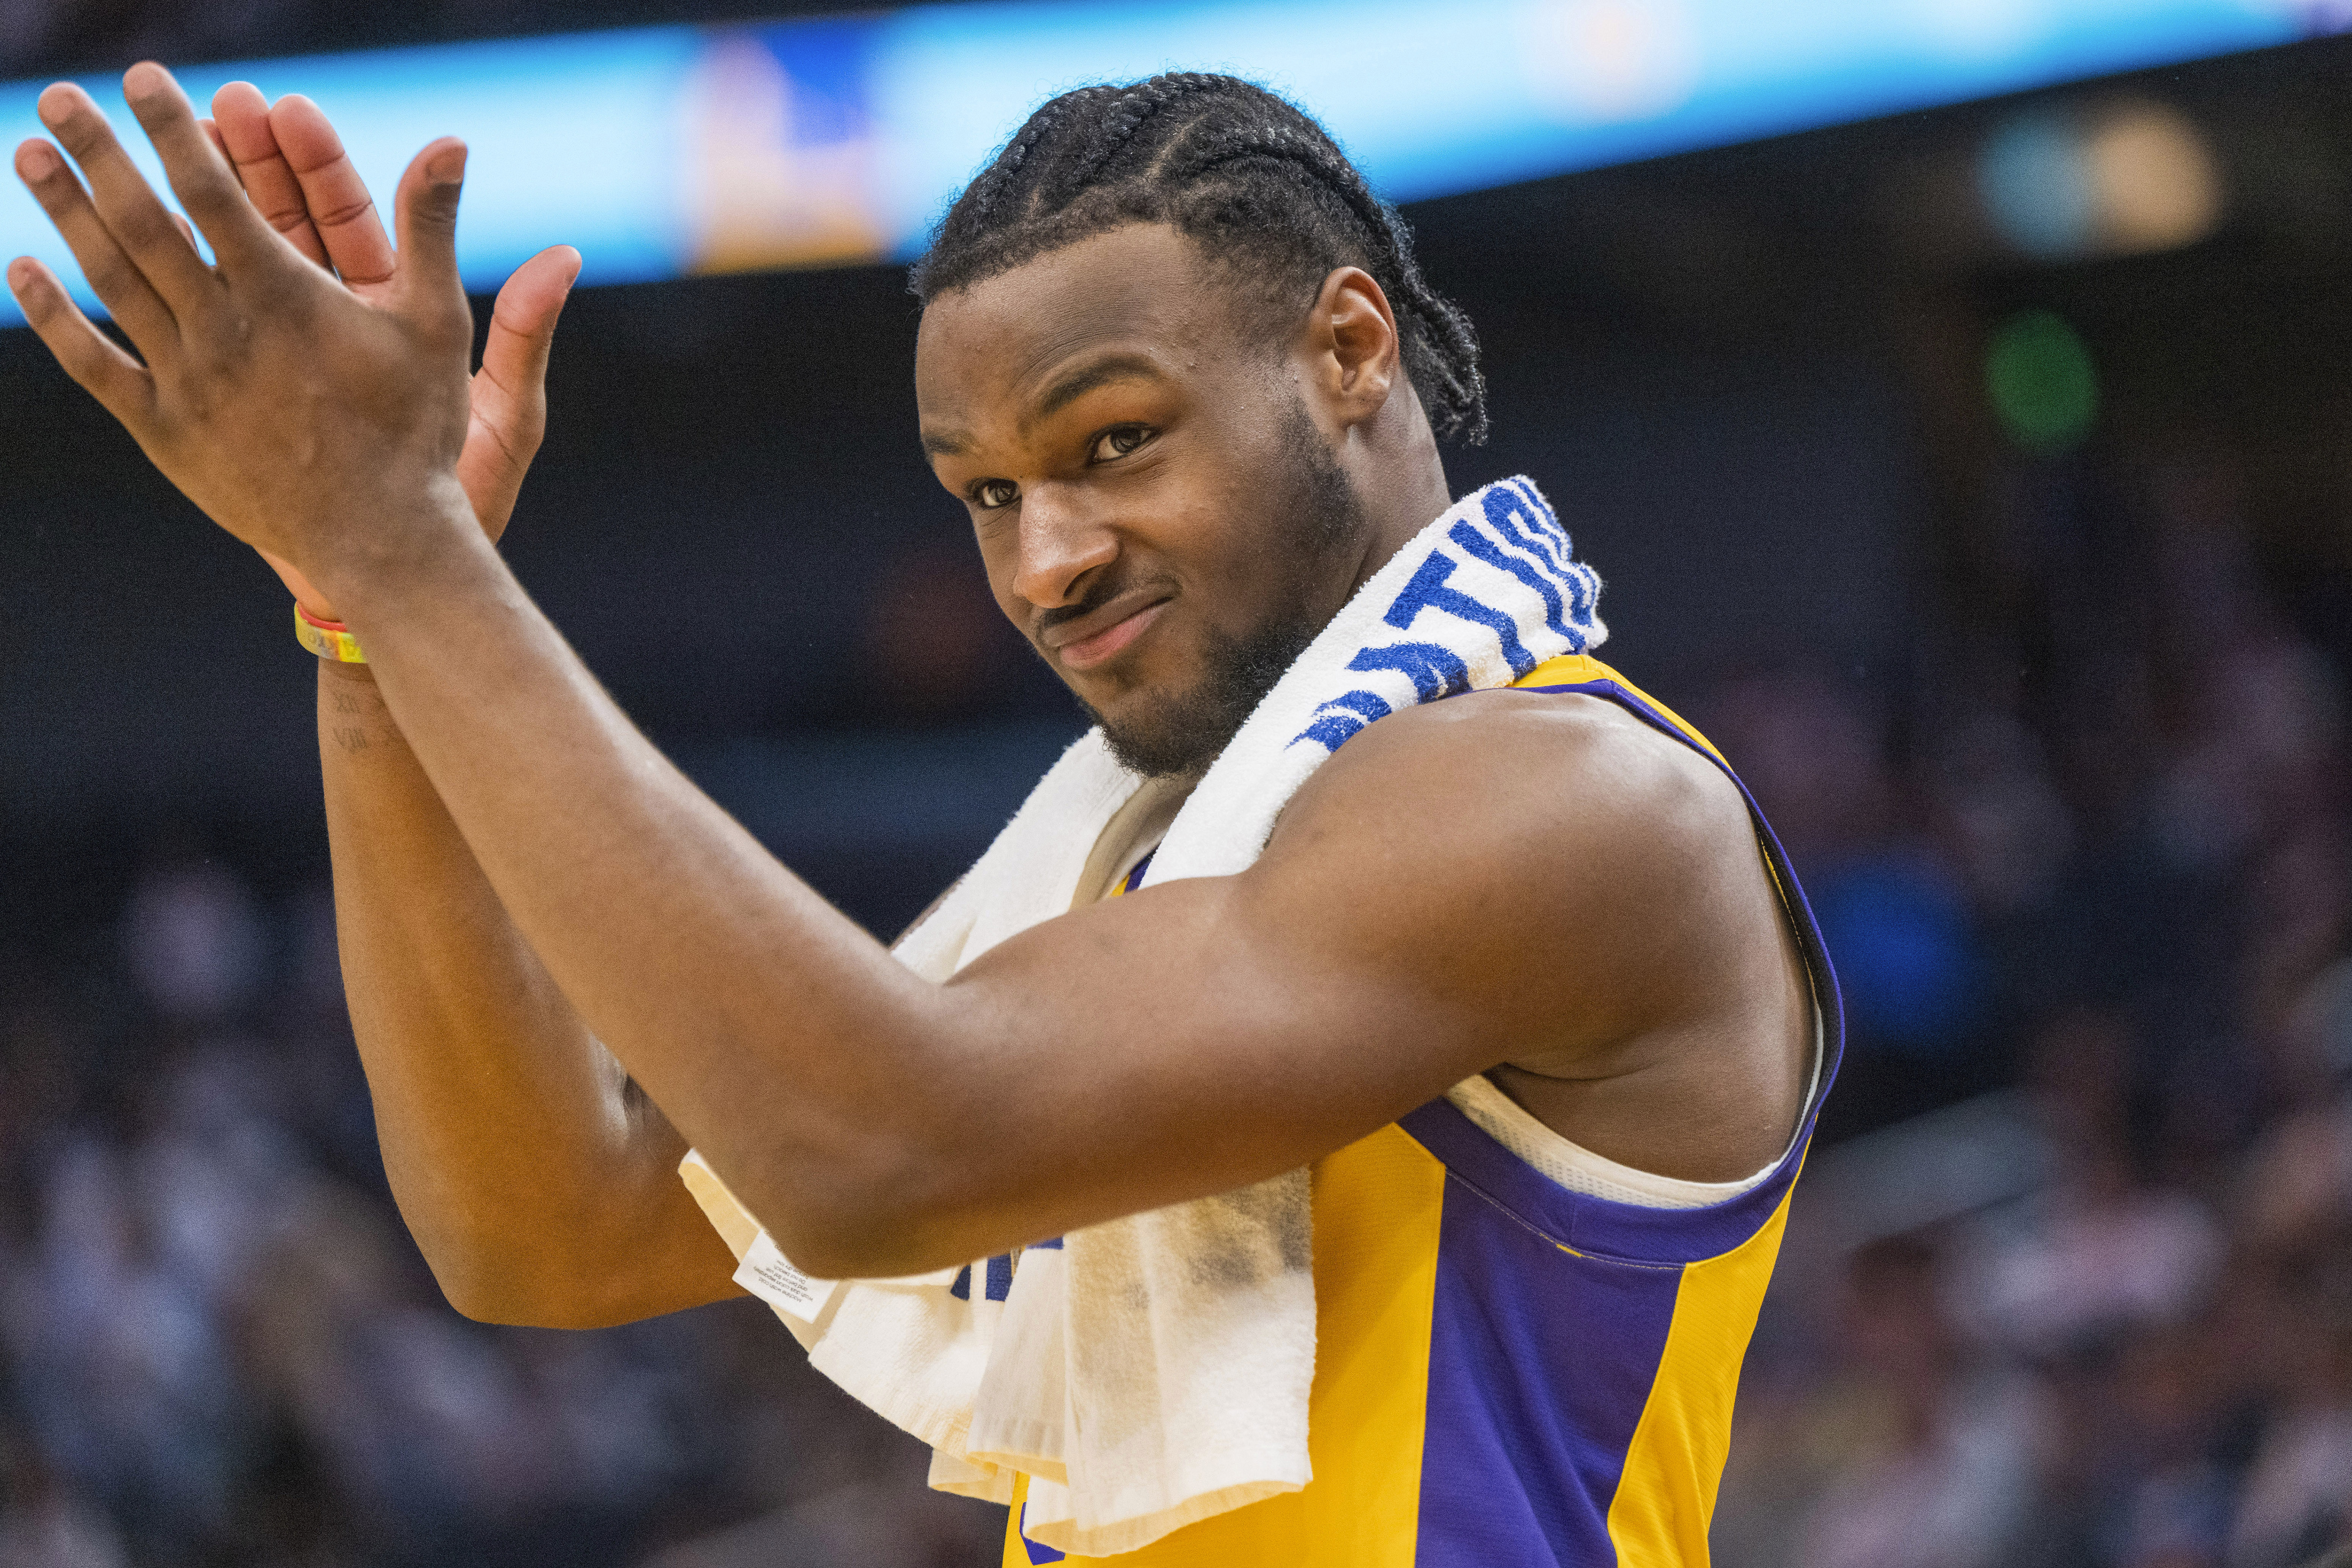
(1097, 594)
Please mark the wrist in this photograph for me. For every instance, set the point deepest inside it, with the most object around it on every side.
(330, 640)
(393, 553)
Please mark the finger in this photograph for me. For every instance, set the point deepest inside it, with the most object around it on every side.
(426, 208)
(126, 206)
(242, 131)
(332, 192)
(121, 287)
(120, 383)
(200, 176)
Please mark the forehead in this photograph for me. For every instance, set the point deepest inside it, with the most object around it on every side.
(1141, 289)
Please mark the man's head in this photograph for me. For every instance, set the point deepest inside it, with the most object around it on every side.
(1181, 366)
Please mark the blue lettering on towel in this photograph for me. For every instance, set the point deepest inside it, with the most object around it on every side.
(1519, 521)
(1427, 591)
(1433, 669)
(1527, 571)
(1336, 721)
(1525, 521)
(1437, 671)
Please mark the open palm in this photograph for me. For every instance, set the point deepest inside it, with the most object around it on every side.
(295, 172)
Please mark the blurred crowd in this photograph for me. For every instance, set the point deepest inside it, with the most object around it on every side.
(2103, 857)
(219, 1345)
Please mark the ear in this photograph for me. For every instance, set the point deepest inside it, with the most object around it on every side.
(1352, 343)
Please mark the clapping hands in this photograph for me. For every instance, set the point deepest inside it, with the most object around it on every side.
(308, 391)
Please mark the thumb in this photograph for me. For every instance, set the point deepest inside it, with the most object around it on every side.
(425, 209)
(522, 325)
(509, 392)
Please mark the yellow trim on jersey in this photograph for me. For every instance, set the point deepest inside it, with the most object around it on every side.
(1575, 669)
(1665, 1497)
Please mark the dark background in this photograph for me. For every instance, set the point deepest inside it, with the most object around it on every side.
(2054, 737)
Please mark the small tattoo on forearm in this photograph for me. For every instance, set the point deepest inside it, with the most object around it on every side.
(351, 738)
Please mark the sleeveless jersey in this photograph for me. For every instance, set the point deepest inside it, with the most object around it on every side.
(1507, 1373)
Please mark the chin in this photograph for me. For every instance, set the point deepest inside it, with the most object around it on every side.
(1165, 727)
(1134, 690)
(1164, 735)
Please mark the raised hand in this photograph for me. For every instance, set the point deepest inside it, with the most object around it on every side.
(294, 169)
(263, 376)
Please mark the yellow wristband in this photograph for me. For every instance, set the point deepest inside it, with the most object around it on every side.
(328, 639)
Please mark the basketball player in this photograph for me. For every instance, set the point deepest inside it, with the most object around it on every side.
(1185, 374)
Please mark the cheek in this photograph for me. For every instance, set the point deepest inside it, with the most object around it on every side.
(1226, 533)
(1206, 502)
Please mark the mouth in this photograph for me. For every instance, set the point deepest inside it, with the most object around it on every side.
(1094, 640)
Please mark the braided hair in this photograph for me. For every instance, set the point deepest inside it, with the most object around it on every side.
(1260, 187)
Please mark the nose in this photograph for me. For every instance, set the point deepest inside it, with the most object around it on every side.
(1060, 542)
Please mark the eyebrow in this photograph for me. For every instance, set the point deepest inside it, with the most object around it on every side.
(1118, 367)
(1101, 372)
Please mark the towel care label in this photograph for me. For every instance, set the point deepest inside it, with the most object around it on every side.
(767, 1274)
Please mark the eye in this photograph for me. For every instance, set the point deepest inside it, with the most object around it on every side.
(1121, 440)
(991, 494)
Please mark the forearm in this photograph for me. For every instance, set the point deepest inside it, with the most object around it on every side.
(773, 1032)
(1192, 1040)
(538, 1191)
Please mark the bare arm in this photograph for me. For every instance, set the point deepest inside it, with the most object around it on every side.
(1604, 912)
(1597, 908)
(537, 1190)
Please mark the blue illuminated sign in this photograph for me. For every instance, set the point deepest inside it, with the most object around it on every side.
(671, 151)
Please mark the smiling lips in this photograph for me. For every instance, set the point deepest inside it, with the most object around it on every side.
(1097, 648)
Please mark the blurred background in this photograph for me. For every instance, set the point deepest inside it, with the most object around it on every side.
(1964, 434)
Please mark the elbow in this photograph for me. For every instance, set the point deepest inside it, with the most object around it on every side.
(851, 1247)
(500, 1309)
(486, 1296)
(864, 1255)
(882, 1192)
(508, 1305)
(872, 1225)
(493, 1284)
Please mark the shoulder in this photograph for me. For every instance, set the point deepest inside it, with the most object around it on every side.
(1557, 769)
(1520, 848)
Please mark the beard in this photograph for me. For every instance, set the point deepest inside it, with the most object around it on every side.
(1174, 734)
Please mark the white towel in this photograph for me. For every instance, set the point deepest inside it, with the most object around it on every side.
(1138, 1389)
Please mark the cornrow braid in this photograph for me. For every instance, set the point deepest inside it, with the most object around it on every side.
(1245, 174)
(1127, 117)
(1459, 395)
(985, 191)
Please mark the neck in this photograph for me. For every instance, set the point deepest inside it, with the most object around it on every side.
(1394, 463)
